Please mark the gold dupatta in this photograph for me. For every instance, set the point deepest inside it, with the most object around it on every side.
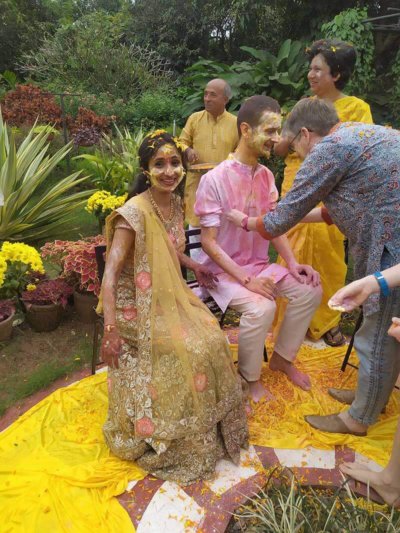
(176, 367)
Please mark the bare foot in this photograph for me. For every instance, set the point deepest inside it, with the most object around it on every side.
(298, 378)
(388, 491)
(258, 392)
(352, 424)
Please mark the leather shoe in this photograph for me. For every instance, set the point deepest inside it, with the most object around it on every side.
(332, 424)
(346, 396)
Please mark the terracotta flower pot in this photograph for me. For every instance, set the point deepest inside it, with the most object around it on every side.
(85, 305)
(44, 317)
(6, 328)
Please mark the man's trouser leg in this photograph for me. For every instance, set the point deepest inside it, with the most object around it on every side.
(379, 361)
(303, 302)
(257, 314)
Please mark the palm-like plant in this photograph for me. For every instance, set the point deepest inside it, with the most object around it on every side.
(115, 164)
(25, 214)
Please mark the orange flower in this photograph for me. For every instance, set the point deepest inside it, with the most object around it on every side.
(200, 382)
(129, 313)
(143, 281)
(144, 427)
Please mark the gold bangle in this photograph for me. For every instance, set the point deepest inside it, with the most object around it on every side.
(109, 327)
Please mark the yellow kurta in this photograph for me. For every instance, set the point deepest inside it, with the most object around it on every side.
(213, 140)
(320, 245)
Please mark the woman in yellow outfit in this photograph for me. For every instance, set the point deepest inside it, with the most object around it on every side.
(320, 245)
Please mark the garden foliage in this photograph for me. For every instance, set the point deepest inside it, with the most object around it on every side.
(282, 77)
(27, 214)
(349, 27)
(115, 163)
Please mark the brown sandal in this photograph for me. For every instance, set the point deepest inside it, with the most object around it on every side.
(334, 337)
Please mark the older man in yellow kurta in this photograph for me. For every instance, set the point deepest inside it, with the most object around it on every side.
(210, 136)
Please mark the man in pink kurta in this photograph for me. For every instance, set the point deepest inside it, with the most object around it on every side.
(247, 281)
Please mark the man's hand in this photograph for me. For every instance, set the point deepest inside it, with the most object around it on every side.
(191, 155)
(354, 294)
(111, 348)
(264, 286)
(305, 274)
(205, 277)
(236, 217)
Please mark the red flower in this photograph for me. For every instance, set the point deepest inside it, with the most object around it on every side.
(144, 427)
(143, 281)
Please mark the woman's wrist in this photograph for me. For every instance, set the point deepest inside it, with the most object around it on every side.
(381, 282)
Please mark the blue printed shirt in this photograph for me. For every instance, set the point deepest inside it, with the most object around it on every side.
(355, 172)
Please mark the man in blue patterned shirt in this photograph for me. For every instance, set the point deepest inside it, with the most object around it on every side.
(354, 169)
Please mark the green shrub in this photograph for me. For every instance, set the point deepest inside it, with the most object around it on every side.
(349, 27)
(155, 109)
(282, 77)
(27, 214)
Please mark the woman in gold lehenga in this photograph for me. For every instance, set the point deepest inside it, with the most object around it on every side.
(175, 401)
(320, 245)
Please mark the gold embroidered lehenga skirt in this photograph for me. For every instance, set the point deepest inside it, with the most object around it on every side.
(175, 403)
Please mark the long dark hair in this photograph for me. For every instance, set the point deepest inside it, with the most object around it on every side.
(150, 145)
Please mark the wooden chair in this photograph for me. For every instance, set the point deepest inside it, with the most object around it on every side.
(350, 346)
(99, 323)
(193, 284)
(209, 300)
(351, 343)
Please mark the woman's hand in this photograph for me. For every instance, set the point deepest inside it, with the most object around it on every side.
(305, 274)
(354, 294)
(236, 217)
(205, 277)
(394, 330)
(111, 348)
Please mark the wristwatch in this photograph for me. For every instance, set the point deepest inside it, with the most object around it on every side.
(244, 223)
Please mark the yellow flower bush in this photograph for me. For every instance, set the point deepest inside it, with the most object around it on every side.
(18, 261)
(101, 203)
(18, 251)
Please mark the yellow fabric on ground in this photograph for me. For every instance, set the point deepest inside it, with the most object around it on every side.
(57, 475)
(320, 245)
(280, 423)
(56, 472)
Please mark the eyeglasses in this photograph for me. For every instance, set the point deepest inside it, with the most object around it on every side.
(291, 147)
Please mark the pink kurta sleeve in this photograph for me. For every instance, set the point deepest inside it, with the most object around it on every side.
(208, 205)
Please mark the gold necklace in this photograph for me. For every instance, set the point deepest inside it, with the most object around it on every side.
(158, 210)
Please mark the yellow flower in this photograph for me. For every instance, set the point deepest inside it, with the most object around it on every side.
(18, 251)
(31, 287)
(104, 202)
(156, 133)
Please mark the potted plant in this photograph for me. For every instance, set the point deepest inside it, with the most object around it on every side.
(45, 302)
(77, 260)
(7, 311)
(102, 203)
(18, 264)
